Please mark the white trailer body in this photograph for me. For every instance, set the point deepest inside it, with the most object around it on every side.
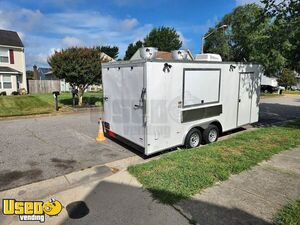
(153, 104)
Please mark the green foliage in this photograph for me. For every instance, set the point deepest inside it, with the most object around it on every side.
(80, 67)
(183, 173)
(217, 43)
(29, 74)
(286, 18)
(282, 8)
(132, 48)
(269, 36)
(287, 78)
(163, 38)
(244, 39)
(112, 51)
(288, 215)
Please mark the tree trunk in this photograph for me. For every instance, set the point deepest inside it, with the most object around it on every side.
(80, 96)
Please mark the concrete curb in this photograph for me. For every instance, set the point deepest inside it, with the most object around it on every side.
(46, 188)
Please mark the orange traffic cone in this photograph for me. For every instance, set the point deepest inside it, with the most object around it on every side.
(100, 136)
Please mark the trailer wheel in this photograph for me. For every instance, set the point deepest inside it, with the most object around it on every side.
(193, 138)
(211, 134)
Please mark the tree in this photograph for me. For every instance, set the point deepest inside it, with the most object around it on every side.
(112, 51)
(29, 74)
(80, 67)
(282, 8)
(251, 37)
(131, 49)
(163, 38)
(286, 18)
(218, 43)
(287, 78)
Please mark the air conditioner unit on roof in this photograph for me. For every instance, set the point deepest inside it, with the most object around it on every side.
(208, 57)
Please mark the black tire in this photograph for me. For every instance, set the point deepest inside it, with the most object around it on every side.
(190, 139)
(208, 136)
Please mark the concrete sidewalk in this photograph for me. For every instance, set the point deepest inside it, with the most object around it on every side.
(118, 199)
(251, 197)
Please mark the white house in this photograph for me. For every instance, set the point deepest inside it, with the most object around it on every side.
(12, 62)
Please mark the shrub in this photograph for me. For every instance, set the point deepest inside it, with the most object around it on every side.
(15, 93)
(3, 93)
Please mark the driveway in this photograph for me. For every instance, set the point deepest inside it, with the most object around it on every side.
(41, 148)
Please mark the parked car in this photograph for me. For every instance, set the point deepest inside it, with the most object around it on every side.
(268, 89)
(294, 88)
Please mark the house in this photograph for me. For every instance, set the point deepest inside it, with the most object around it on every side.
(40, 73)
(12, 62)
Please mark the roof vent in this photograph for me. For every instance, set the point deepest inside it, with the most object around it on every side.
(179, 54)
(148, 52)
(208, 57)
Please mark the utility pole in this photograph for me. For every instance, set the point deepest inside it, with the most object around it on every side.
(204, 37)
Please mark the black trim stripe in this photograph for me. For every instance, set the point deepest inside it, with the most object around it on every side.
(111, 135)
(201, 113)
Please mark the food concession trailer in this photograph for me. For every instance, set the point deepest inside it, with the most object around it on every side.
(156, 104)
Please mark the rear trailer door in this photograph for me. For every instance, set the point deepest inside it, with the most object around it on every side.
(124, 101)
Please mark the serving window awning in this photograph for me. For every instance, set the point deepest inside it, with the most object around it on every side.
(5, 69)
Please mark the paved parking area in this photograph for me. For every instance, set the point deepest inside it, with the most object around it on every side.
(41, 148)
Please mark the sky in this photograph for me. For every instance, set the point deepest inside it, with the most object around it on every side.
(48, 25)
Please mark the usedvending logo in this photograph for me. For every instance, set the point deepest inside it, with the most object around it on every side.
(31, 210)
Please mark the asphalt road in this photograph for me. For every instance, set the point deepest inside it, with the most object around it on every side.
(279, 109)
(41, 148)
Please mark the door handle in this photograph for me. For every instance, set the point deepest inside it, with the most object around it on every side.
(141, 101)
(105, 98)
(239, 100)
(137, 106)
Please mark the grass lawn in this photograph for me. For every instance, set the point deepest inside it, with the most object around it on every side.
(183, 173)
(292, 92)
(269, 95)
(287, 92)
(288, 215)
(41, 103)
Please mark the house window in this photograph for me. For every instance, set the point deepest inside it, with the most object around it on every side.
(3, 55)
(7, 84)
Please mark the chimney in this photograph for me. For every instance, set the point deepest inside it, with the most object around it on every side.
(35, 73)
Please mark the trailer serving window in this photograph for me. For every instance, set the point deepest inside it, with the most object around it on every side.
(201, 86)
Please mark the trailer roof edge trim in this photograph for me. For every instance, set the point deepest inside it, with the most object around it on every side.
(141, 61)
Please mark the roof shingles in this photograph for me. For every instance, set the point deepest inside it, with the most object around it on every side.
(10, 38)
(6, 69)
